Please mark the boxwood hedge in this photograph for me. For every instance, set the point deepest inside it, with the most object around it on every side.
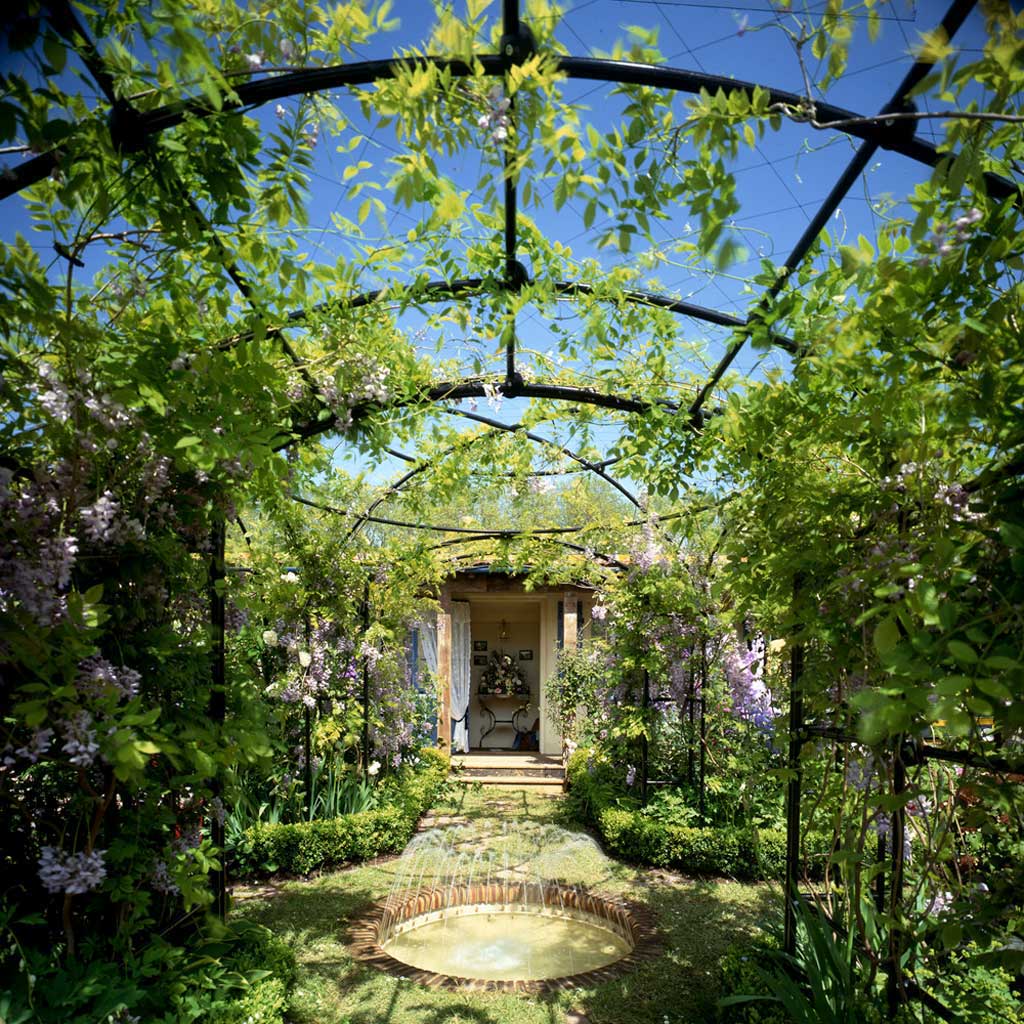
(741, 853)
(309, 846)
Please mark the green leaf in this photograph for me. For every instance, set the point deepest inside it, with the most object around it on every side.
(1000, 662)
(993, 688)
(886, 635)
(188, 441)
(964, 653)
(153, 399)
(55, 52)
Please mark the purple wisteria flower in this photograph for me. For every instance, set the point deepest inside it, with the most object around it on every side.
(34, 577)
(751, 698)
(370, 653)
(161, 879)
(860, 774)
(939, 903)
(217, 810)
(74, 873)
(496, 120)
(99, 518)
(38, 745)
(630, 775)
(98, 678)
(80, 739)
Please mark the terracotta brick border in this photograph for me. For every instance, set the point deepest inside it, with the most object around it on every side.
(632, 921)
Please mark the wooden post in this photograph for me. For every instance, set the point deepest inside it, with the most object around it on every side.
(570, 622)
(444, 672)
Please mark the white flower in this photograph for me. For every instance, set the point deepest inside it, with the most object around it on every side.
(374, 768)
(254, 60)
(270, 637)
(493, 395)
(289, 577)
(305, 659)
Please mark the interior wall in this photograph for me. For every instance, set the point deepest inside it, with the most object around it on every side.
(523, 635)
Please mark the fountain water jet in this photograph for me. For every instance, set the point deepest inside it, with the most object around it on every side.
(505, 910)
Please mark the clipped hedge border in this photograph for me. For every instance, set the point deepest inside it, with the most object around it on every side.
(743, 853)
(739, 853)
(309, 846)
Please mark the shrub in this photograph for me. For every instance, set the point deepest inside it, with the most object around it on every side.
(629, 832)
(234, 974)
(739, 853)
(976, 992)
(254, 951)
(743, 974)
(307, 846)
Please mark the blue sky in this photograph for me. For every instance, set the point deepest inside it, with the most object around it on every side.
(781, 183)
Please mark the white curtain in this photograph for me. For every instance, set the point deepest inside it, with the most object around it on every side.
(462, 653)
(428, 643)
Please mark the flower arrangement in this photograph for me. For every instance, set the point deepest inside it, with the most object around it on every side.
(503, 675)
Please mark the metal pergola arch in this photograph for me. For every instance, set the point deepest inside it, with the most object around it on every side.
(438, 291)
(131, 130)
(473, 535)
(426, 464)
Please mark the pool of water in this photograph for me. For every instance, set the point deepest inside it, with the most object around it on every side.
(507, 946)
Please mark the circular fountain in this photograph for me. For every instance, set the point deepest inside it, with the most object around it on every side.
(506, 910)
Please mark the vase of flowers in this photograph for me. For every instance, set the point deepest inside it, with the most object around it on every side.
(502, 675)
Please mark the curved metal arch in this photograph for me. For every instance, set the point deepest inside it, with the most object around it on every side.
(597, 468)
(609, 560)
(519, 428)
(604, 464)
(438, 291)
(518, 388)
(130, 129)
(479, 533)
(422, 465)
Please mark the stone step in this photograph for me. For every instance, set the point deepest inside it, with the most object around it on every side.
(516, 781)
(554, 772)
(505, 759)
(545, 786)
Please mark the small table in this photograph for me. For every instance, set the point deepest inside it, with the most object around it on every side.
(503, 704)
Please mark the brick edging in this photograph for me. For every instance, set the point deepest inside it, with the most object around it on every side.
(625, 915)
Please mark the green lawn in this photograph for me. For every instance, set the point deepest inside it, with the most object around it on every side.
(700, 920)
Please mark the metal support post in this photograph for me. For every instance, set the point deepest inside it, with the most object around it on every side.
(218, 696)
(702, 801)
(895, 988)
(796, 725)
(366, 680)
(644, 741)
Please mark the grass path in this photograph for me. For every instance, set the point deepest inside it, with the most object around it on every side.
(700, 919)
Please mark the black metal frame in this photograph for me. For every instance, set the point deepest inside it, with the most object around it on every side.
(133, 130)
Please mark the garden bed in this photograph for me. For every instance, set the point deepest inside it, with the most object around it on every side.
(302, 847)
(743, 853)
(699, 921)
